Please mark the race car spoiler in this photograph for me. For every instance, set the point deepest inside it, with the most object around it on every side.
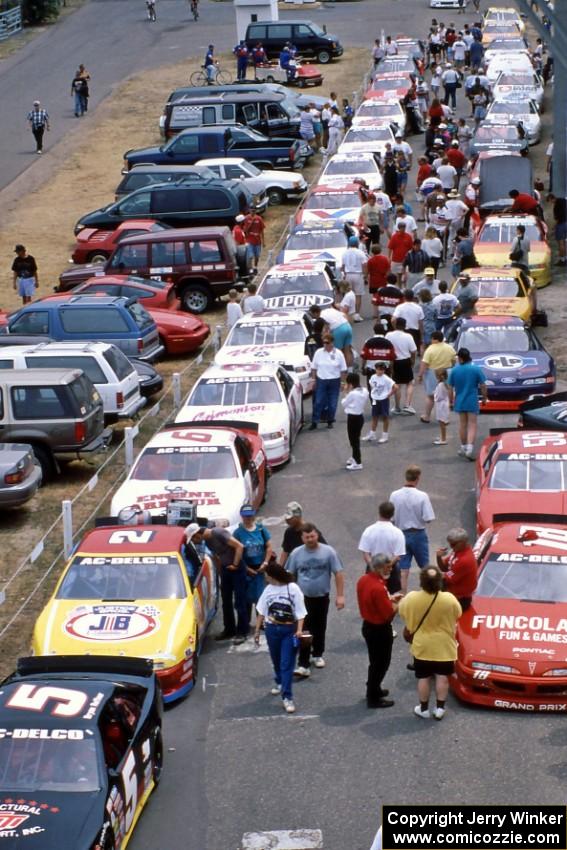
(531, 517)
(495, 432)
(34, 665)
(215, 423)
(543, 400)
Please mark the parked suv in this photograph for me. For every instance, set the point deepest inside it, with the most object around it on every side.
(82, 318)
(112, 374)
(199, 260)
(306, 36)
(141, 176)
(58, 412)
(179, 204)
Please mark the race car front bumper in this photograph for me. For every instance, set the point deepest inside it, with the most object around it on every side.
(176, 681)
(510, 692)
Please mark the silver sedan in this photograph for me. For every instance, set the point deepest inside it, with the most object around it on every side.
(20, 474)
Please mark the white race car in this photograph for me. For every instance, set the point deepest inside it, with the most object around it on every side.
(335, 202)
(389, 112)
(296, 286)
(504, 15)
(515, 85)
(443, 4)
(264, 393)
(343, 166)
(505, 46)
(217, 468)
(326, 241)
(519, 63)
(515, 112)
(367, 137)
(274, 336)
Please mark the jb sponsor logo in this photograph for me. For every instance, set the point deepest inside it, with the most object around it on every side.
(112, 622)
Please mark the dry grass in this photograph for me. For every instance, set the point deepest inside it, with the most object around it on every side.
(84, 173)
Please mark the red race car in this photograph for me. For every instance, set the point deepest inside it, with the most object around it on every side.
(389, 85)
(150, 293)
(513, 639)
(522, 471)
(96, 246)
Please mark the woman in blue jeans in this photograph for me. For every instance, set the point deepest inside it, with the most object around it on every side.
(281, 608)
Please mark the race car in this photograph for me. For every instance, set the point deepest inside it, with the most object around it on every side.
(133, 590)
(325, 241)
(338, 202)
(503, 292)
(508, 44)
(273, 336)
(388, 86)
(519, 63)
(367, 137)
(523, 471)
(516, 85)
(296, 286)
(514, 362)
(264, 393)
(499, 29)
(81, 750)
(496, 234)
(343, 167)
(508, 15)
(521, 111)
(513, 639)
(217, 467)
(546, 414)
(501, 136)
(388, 112)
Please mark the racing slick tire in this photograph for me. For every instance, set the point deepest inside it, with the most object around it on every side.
(157, 756)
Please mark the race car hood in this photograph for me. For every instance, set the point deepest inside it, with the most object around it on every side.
(269, 417)
(503, 307)
(283, 353)
(498, 254)
(298, 301)
(345, 214)
(509, 367)
(213, 497)
(327, 255)
(48, 820)
(529, 636)
(139, 628)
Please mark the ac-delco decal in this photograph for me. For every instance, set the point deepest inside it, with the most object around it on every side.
(183, 450)
(530, 456)
(119, 560)
(150, 501)
(20, 818)
(45, 734)
(112, 622)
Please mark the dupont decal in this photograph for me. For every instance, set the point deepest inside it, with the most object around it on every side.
(112, 622)
(20, 818)
(507, 362)
(298, 301)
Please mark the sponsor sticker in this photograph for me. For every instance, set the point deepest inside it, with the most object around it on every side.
(112, 622)
(20, 818)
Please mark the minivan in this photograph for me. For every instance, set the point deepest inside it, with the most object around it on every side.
(309, 39)
(268, 113)
(141, 176)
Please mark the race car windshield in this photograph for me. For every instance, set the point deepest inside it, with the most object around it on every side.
(369, 134)
(30, 765)
(185, 463)
(490, 133)
(511, 107)
(496, 338)
(379, 110)
(317, 240)
(517, 80)
(504, 231)
(498, 289)
(507, 44)
(332, 201)
(123, 578)
(529, 581)
(289, 285)
(274, 333)
(390, 85)
(231, 392)
(543, 475)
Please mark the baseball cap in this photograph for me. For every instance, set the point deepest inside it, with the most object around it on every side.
(247, 510)
(429, 270)
(19, 248)
(453, 193)
(240, 218)
(442, 126)
(293, 509)
(455, 143)
(438, 141)
(398, 135)
(191, 530)
(476, 181)
(36, 103)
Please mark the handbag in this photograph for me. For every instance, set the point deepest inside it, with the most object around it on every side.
(516, 253)
(409, 636)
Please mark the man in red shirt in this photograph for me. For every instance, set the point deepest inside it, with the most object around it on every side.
(377, 609)
(254, 227)
(400, 243)
(456, 157)
(523, 203)
(459, 566)
(378, 267)
(423, 171)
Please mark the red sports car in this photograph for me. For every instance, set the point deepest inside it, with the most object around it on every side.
(523, 472)
(95, 246)
(513, 638)
(150, 293)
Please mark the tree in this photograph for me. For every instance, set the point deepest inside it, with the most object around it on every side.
(39, 11)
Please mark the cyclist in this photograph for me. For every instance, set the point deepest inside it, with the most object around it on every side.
(151, 7)
(210, 64)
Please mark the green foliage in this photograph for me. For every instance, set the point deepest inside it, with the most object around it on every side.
(39, 11)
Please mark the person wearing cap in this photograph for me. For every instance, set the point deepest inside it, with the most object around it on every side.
(292, 535)
(370, 219)
(257, 551)
(239, 237)
(399, 244)
(401, 146)
(329, 368)
(403, 216)
(227, 555)
(210, 64)
(429, 281)
(450, 79)
(355, 269)
(38, 120)
(472, 194)
(457, 211)
(464, 257)
(241, 53)
(414, 264)
(447, 174)
(24, 269)
(377, 348)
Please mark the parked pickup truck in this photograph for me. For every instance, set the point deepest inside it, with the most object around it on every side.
(214, 141)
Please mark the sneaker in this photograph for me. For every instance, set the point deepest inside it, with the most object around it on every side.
(383, 438)
(462, 451)
(276, 690)
(302, 672)
(370, 437)
(329, 424)
(354, 466)
(397, 411)
(440, 443)
(224, 636)
(394, 634)
(409, 409)
(438, 713)
(349, 462)
(39, 152)
(238, 640)
(319, 662)
(380, 703)
(289, 706)
(357, 318)
(469, 454)
(419, 712)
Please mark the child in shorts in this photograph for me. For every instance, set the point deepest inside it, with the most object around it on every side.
(382, 388)
(441, 398)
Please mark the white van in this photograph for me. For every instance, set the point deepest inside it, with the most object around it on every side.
(109, 369)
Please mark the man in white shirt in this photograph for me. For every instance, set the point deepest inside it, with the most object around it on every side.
(457, 211)
(403, 147)
(391, 47)
(409, 221)
(354, 267)
(413, 512)
(447, 174)
(329, 368)
(383, 538)
(252, 303)
(405, 351)
(428, 281)
(459, 51)
(413, 315)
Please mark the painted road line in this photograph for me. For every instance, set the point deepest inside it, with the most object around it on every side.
(283, 839)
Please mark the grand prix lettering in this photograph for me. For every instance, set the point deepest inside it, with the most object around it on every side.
(68, 702)
(112, 622)
(524, 706)
(15, 813)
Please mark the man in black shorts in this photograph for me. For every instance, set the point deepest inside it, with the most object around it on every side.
(405, 350)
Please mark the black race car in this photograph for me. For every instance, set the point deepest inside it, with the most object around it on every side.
(80, 751)
(545, 414)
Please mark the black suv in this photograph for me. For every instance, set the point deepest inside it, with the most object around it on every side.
(308, 37)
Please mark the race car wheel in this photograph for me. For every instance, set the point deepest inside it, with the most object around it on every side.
(324, 57)
(157, 756)
(275, 196)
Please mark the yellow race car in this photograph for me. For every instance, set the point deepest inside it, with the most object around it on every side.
(499, 29)
(133, 591)
(502, 292)
(494, 239)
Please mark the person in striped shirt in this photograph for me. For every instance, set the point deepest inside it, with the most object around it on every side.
(39, 122)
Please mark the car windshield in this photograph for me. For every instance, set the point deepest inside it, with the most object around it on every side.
(369, 134)
(293, 284)
(123, 578)
(505, 231)
(314, 240)
(184, 463)
(140, 315)
(332, 201)
(382, 84)
(379, 110)
(537, 473)
(317, 29)
(337, 167)
(507, 44)
(494, 338)
(523, 80)
(272, 333)
(227, 392)
(511, 107)
(67, 763)
(528, 581)
(498, 288)
(490, 133)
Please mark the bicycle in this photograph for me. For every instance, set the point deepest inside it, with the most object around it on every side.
(151, 6)
(218, 78)
(195, 9)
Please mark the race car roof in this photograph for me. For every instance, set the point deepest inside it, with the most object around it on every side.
(241, 371)
(270, 317)
(76, 703)
(318, 226)
(511, 218)
(192, 437)
(493, 321)
(546, 442)
(529, 538)
(121, 539)
(335, 188)
(289, 269)
(363, 156)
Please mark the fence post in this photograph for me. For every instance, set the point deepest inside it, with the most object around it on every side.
(217, 340)
(270, 258)
(67, 512)
(176, 378)
(129, 435)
